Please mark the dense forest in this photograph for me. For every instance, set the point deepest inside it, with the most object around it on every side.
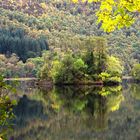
(29, 27)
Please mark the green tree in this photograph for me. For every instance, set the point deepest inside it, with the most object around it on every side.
(113, 72)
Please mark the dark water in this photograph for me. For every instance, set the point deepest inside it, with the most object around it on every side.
(77, 113)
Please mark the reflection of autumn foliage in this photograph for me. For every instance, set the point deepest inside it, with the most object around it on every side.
(86, 99)
(65, 107)
(89, 101)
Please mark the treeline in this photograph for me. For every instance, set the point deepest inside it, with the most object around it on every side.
(15, 40)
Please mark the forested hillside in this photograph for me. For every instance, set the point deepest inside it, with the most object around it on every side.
(27, 27)
(67, 62)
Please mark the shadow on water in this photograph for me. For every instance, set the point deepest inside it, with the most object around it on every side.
(66, 113)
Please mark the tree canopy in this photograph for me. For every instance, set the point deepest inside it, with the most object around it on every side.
(116, 14)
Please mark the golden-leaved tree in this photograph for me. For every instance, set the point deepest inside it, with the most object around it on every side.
(116, 14)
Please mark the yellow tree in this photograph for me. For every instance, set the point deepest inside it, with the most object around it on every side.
(116, 14)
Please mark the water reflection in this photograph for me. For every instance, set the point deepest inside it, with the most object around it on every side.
(66, 113)
(135, 89)
(27, 109)
(6, 115)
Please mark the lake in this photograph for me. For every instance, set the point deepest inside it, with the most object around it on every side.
(76, 113)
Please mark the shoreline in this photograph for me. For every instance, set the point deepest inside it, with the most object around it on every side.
(39, 82)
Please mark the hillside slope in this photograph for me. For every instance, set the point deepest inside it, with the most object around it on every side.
(44, 23)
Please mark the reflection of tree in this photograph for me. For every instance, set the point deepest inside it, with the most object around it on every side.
(96, 102)
(68, 112)
(27, 108)
(135, 88)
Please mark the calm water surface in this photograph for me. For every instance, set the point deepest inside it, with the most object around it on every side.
(77, 113)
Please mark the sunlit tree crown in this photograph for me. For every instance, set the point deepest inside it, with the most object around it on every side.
(115, 14)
